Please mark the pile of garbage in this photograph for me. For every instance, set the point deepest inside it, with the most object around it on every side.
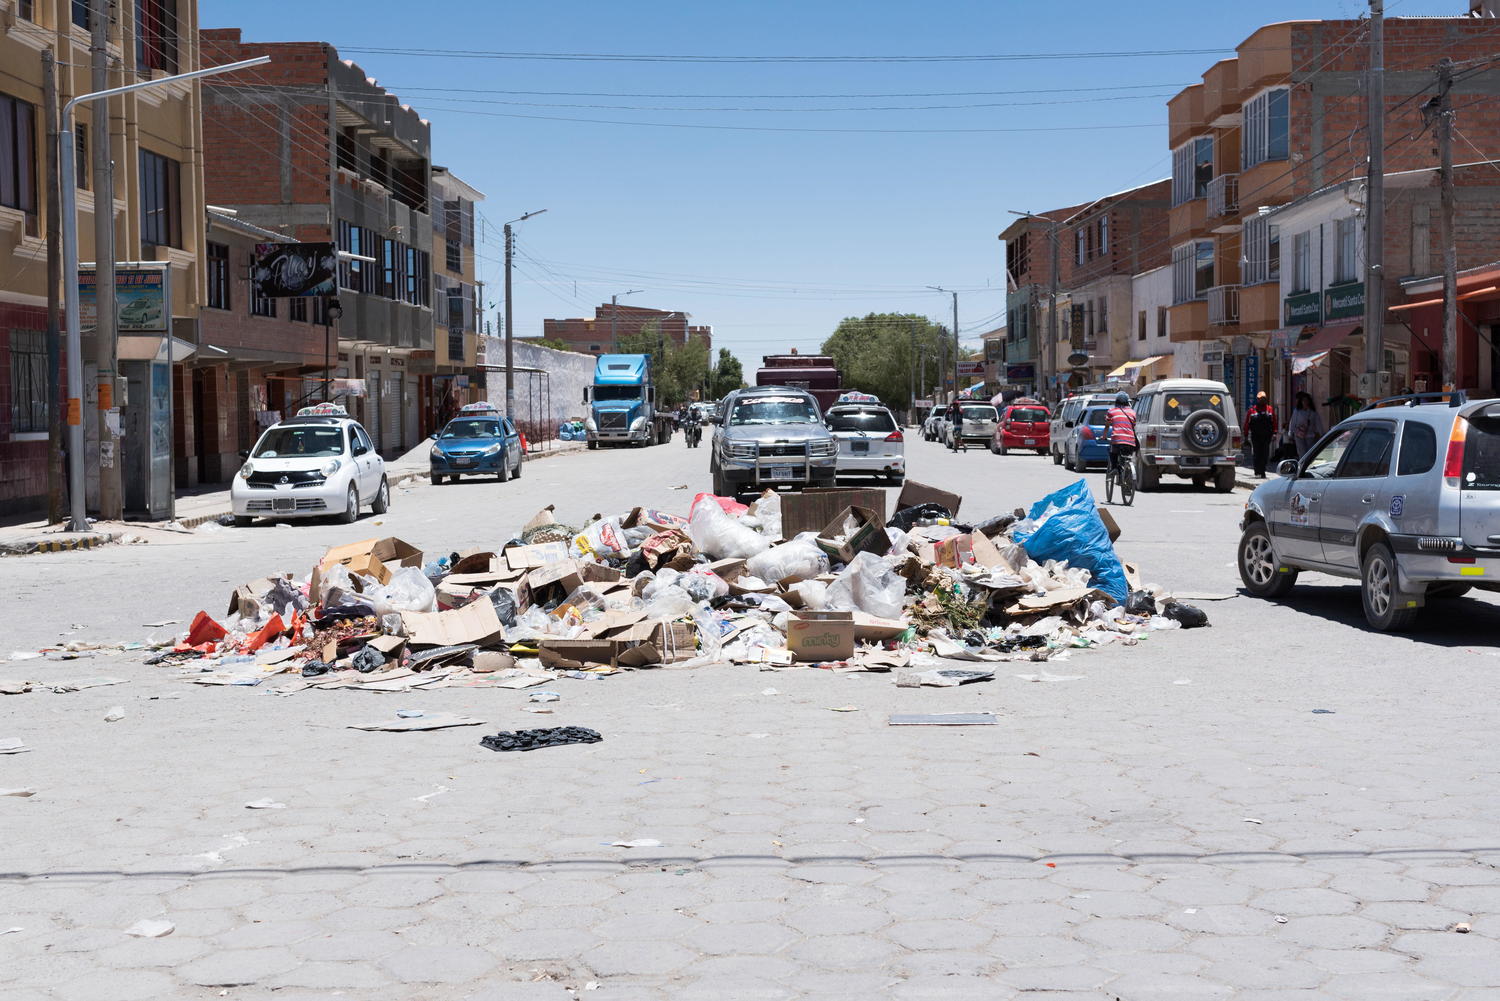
(572, 431)
(813, 579)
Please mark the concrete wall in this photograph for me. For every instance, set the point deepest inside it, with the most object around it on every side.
(567, 374)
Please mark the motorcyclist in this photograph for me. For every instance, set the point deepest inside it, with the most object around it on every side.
(687, 419)
(1119, 425)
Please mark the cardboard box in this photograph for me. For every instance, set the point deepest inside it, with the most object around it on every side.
(955, 551)
(820, 636)
(731, 571)
(852, 531)
(575, 655)
(652, 518)
(668, 643)
(531, 557)
(809, 510)
(391, 551)
(1110, 525)
(914, 493)
(476, 622)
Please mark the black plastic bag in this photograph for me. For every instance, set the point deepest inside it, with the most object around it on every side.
(314, 668)
(1190, 616)
(1141, 603)
(531, 740)
(505, 605)
(367, 659)
(908, 517)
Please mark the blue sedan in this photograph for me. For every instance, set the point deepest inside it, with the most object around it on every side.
(476, 444)
(1087, 443)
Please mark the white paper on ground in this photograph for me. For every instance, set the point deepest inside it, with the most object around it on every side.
(151, 928)
(437, 721)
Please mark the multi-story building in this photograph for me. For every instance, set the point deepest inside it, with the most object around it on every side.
(458, 298)
(157, 202)
(310, 147)
(610, 322)
(1283, 118)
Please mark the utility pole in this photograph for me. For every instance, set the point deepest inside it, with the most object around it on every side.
(1444, 106)
(54, 285)
(111, 501)
(1375, 201)
(911, 368)
(1052, 308)
(510, 351)
(614, 309)
(935, 288)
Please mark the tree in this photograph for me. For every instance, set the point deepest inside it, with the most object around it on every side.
(555, 343)
(728, 375)
(876, 354)
(678, 369)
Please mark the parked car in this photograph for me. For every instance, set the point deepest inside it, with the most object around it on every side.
(1087, 443)
(320, 462)
(932, 425)
(870, 442)
(1186, 428)
(1065, 416)
(771, 436)
(478, 442)
(1024, 424)
(978, 423)
(1404, 497)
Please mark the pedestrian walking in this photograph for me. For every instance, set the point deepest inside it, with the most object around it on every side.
(955, 427)
(1305, 425)
(1260, 428)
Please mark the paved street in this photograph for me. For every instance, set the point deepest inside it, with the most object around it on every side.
(1176, 823)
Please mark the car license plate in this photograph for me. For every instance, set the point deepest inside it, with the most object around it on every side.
(462, 460)
(860, 446)
(286, 504)
(1031, 441)
(781, 472)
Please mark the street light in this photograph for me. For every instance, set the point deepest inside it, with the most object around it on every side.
(78, 521)
(510, 357)
(955, 335)
(332, 310)
(614, 302)
(1051, 338)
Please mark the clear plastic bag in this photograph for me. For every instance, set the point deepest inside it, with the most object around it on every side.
(768, 510)
(408, 591)
(599, 539)
(721, 537)
(868, 584)
(790, 561)
(814, 594)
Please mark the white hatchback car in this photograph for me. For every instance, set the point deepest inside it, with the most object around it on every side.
(319, 463)
(870, 441)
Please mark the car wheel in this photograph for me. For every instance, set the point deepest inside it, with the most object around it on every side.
(1041, 451)
(1261, 572)
(504, 475)
(1448, 591)
(593, 444)
(1385, 609)
(1057, 458)
(382, 497)
(1146, 477)
(1001, 450)
(520, 461)
(243, 521)
(720, 488)
(351, 506)
(1224, 481)
(436, 478)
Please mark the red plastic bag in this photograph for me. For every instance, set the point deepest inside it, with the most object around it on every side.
(204, 630)
(731, 507)
(265, 634)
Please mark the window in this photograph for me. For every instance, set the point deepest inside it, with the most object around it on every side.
(1161, 321)
(28, 381)
(1262, 250)
(320, 310)
(380, 168)
(1418, 449)
(1192, 270)
(453, 235)
(1104, 236)
(1370, 454)
(1266, 128)
(409, 294)
(1481, 469)
(388, 268)
(1302, 262)
(297, 309)
(1103, 316)
(1322, 465)
(424, 278)
(82, 16)
(1140, 325)
(218, 275)
(1345, 269)
(18, 156)
(261, 305)
(24, 9)
(344, 149)
(1192, 169)
(161, 205)
(156, 36)
(81, 155)
(1080, 245)
(1421, 239)
(456, 301)
(1018, 257)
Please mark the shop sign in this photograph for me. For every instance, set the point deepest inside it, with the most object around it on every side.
(142, 297)
(1304, 308)
(1020, 373)
(1344, 301)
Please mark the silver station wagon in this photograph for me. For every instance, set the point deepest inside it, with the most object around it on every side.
(1403, 496)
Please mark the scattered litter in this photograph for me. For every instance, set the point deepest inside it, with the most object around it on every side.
(1323, 712)
(24, 655)
(770, 691)
(151, 928)
(539, 710)
(942, 719)
(436, 792)
(80, 684)
(637, 843)
(409, 713)
(1188, 616)
(12, 745)
(593, 985)
(20, 793)
(1252, 820)
(162, 623)
(942, 678)
(115, 714)
(1281, 919)
(545, 697)
(1462, 928)
(437, 721)
(14, 686)
(758, 736)
(531, 740)
(264, 804)
(843, 709)
(1183, 681)
(1045, 677)
(11, 931)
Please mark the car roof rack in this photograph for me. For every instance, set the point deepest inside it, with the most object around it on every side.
(1454, 398)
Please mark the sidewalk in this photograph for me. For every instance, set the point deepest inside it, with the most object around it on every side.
(200, 505)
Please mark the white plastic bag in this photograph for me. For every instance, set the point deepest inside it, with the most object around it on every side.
(602, 538)
(768, 510)
(868, 584)
(790, 561)
(408, 591)
(814, 594)
(721, 537)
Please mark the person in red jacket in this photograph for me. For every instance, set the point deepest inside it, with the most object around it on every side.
(1260, 428)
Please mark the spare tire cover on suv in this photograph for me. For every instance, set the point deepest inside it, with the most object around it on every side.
(1205, 431)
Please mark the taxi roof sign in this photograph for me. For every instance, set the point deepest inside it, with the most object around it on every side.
(855, 396)
(324, 410)
(483, 407)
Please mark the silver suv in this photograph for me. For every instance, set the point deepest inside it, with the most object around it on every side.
(1186, 428)
(770, 436)
(1404, 496)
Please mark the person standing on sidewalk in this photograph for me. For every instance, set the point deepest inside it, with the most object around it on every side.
(956, 427)
(1260, 428)
(1305, 426)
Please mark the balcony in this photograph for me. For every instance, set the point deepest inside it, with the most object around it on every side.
(1224, 305)
(1223, 195)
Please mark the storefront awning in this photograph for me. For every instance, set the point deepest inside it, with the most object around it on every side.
(1318, 346)
(1481, 293)
(1130, 369)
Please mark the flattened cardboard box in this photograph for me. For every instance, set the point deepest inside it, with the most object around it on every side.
(730, 571)
(476, 622)
(914, 494)
(809, 510)
(388, 550)
(820, 636)
(669, 643)
(955, 551)
(531, 557)
(867, 535)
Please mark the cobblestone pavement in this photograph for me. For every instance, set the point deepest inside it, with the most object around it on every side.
(1177, 823)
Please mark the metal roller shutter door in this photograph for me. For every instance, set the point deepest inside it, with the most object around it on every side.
(372, 407)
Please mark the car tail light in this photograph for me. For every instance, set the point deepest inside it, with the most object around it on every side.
(1461, 559)
(1086, 433)
(1234, 437)
(1150, 441)
(1453, 466)
(894, 436)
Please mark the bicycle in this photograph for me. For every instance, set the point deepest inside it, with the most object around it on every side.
(1121, 472)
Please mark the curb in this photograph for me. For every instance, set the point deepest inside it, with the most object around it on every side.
(31, 546)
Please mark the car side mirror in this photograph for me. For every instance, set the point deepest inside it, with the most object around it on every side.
(244, 453)
(1067, 424)
(1288, 467)
(433, 436)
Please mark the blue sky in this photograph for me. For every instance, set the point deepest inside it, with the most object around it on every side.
(773, 236)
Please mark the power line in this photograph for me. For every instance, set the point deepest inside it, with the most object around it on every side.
(782, 111)
(786, 97)
(669, 58)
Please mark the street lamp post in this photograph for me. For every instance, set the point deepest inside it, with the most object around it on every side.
(332, 310)
(955, 335)
(510, 350)
(614, 303)
(78, 519)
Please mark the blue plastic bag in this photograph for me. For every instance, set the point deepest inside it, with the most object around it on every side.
(1074, 533)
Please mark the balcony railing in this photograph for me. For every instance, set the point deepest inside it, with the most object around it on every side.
(1223, 195)
(1224, 304)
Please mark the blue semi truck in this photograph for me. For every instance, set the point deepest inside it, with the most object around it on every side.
(622, 404)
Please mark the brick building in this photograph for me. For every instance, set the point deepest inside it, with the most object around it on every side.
(1281, 120)
(309, 147)
(457, 297)
(158, 197)
(593, 335)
